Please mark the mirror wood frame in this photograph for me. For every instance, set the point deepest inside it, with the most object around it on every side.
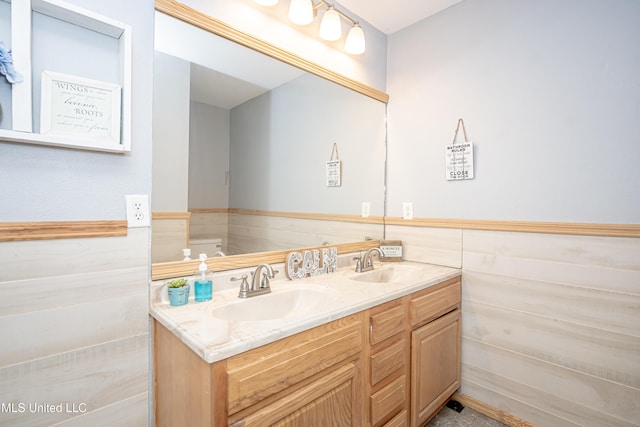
(205, 22)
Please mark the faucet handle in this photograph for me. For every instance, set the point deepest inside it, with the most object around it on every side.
(358, 261)
(264, 280)
(244, 286)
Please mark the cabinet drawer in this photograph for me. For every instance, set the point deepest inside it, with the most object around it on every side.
(386, 324)
(399, 420)
(434, 303)
(387, 361)
(327, 401)
(388, 398)
(264, 371)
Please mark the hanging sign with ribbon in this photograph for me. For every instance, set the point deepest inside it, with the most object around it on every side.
(459, 157)
(334, 178)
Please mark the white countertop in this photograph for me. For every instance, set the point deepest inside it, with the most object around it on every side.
(214, 338)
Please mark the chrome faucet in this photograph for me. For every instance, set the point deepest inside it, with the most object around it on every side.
(259, 281)
(366, 262)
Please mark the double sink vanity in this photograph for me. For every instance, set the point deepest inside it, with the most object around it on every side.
(347, 348)
(373, 348)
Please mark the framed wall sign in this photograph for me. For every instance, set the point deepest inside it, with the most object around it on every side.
(80, 108)
(459, 157)
(334, 169)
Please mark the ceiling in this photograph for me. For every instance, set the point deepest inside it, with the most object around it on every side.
(220, 89)
(390, 16)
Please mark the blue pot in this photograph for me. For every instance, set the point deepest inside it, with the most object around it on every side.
(178, 296)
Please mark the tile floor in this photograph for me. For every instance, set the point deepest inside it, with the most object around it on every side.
(466, 418)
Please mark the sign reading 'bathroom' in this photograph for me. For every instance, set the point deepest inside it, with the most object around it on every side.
(459, 161)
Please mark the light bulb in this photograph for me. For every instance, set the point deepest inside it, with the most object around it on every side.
(301, 12)
(355, 40)
(266, 2)
(330, 26)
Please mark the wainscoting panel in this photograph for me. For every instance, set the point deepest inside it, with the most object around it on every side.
(559, 301)
(46, 258)
(585, 396)
(208, 224)
(526, 407)
(441, 246)
(259, 233)
(608, 263)
(169, 237)
(551, 326)
(97, 376)
(44, 333)
(128, 412)
(75, 329)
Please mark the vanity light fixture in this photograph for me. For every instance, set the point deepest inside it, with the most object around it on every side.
(355, 44)
(330, 26)
(303, 12)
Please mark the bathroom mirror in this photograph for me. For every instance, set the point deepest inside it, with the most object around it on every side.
(241, 144)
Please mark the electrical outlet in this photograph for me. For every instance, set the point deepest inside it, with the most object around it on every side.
(407, 210)
(366, 209)
(138, 211)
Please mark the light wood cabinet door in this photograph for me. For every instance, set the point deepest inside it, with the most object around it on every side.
(326, 402)
(435, 361)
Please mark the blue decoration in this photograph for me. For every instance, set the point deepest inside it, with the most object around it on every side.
(6, 66)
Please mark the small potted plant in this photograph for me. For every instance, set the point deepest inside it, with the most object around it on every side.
(178, 290)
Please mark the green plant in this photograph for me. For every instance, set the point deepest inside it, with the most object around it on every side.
(177, 283)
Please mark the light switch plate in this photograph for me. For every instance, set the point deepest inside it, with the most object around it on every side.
(407, 210)
(366, 209)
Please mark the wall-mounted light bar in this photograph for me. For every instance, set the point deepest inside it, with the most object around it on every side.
(303, 12)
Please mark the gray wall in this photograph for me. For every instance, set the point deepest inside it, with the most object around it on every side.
(208, 156)
(549, 92)
(171, 98)
(40, 183)
(75, 311)
(281, 141)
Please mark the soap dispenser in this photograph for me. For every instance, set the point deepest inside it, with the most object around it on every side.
(203, 282)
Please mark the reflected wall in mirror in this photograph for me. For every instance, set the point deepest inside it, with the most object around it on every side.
(241, 142)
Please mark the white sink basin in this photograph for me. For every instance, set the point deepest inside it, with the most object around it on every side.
(395, 273)
(294, 300)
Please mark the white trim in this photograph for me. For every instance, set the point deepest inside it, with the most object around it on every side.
(22, 93)
(58, 141)
(21, 104)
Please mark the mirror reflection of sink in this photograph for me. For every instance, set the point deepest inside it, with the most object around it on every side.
(387, 274)
(294, 301)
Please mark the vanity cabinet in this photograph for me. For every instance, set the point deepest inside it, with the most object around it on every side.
(312, 378)
(393, 365)
(414, 355)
